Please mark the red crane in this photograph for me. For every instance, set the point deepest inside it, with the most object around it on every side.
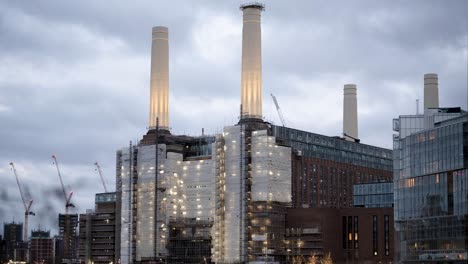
(98, 168)
(27, 207)
(67, 205)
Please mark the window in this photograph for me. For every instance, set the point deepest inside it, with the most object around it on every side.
(356, 235)
(344, 232)
(387, 235)
(350, 232)
(375, 235)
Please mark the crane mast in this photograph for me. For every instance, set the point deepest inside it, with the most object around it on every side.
(27, 207)
(98, 168)
(280, 113)
(67, 205)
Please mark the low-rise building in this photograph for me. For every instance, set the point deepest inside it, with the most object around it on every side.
(350, 235)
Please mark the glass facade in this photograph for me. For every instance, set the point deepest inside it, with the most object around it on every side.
(106, 197)
(372, 195)
(430, 188)
(334, 148)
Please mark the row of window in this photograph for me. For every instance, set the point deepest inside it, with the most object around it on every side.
(350, 233)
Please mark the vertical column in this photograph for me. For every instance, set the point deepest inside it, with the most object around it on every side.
(159, 93)
(251, 83)
(350, 120)
(431, 91)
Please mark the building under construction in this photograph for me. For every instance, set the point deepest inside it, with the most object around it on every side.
(68, 231)
(16, 248)
(225, 198)
(42, 248)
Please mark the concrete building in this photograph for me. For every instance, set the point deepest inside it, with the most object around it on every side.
(430, 181)
(42, 248)
(97, 231)
(225, 198)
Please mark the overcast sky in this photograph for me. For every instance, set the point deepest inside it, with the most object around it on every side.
(74, 78)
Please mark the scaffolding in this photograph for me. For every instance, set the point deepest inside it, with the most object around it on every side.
(126, 179)
(231, 190)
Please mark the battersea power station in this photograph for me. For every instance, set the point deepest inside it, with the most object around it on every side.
(255, 193)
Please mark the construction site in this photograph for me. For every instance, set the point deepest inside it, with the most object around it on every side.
(225, 198)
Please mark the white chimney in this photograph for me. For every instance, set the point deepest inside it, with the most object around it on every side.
(431, 91)
(159, 93)
(350, 119)
(251, 83)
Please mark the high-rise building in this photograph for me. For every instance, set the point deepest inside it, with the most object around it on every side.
(431, 182)
(15, 247)
(97, 231)
(42, 248)
(68, 224)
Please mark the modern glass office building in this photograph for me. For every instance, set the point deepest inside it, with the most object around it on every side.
(431, 186)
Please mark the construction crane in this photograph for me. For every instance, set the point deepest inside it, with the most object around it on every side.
(67, 205)
(280, 113)
(67, 198)
(98, 168)
(27, 207)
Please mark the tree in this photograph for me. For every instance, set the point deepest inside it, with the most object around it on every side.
(297, 260)
(327, 259)
(312, 260)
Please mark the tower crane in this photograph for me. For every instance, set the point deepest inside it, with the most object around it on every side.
(27, 207)
(98, 168)
(67, 205)
(280, 113)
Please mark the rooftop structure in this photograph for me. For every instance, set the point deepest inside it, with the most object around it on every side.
(251, 79)
(159, 92)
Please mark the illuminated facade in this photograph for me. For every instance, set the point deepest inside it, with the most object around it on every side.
(159, 92)
(180, 191)
(251, 77)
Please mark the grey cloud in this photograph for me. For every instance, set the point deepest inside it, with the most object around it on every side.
(4, 196)
(74, 77)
